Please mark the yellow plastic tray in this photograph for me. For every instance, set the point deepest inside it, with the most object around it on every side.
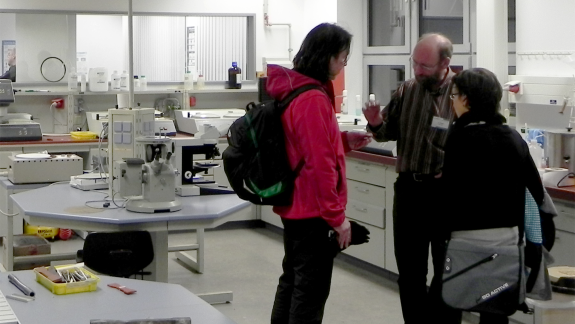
(83, 135)
(69, 288)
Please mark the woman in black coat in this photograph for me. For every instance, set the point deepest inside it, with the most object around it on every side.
(487, 168)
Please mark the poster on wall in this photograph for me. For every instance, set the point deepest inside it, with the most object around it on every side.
(8, 70)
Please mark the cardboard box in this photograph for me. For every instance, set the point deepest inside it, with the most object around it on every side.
(29, 245)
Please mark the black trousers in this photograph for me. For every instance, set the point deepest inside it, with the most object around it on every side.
(307, 268)
(416, 226)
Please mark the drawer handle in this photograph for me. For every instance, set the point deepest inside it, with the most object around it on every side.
(363, 210)
(362, 169)
(366, 191)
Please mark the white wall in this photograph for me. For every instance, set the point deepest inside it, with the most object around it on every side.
(545, 26)
(7, 27)
(270, 41)
(39, 36)
(7, 32)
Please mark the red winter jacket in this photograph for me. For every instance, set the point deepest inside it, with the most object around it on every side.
(312, 135)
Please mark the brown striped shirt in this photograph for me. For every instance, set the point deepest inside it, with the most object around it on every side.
(407, 119)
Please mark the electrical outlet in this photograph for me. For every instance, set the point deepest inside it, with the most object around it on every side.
(58, 103)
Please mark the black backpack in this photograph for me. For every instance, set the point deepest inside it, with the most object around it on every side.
(256, 161)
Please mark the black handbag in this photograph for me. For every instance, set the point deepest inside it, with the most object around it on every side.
(483, 278)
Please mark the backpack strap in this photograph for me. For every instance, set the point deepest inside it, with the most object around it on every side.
(285, 103)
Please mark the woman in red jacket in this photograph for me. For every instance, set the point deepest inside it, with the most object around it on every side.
(316, 148)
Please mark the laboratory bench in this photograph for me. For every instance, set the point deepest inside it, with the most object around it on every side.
(108, 303)
(63, 143)
(62, 206)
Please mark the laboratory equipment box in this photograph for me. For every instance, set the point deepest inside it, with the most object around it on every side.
(29, 245)
(41, 167)
(66, 288)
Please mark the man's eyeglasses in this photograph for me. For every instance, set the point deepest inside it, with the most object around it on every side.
(423, 66)
(452, 96)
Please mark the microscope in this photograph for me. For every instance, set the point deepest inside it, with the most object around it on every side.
(148, 183)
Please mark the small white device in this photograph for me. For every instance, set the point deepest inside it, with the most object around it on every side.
(90, 181)
(193, 121)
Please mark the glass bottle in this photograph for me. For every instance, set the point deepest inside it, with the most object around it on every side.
(234, 77)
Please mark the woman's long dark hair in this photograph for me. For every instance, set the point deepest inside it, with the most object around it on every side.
(319, 46)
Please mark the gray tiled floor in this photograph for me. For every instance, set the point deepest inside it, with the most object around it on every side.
(247, 261)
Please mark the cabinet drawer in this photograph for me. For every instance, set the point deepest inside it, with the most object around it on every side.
(363, 212)
(365, 172)
(565, 219)
(562, 251)
(366, 193)
(373, 251)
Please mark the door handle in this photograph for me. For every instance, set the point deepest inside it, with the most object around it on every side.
(363, 210)
(365, 191)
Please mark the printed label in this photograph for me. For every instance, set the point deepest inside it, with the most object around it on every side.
(495, 291)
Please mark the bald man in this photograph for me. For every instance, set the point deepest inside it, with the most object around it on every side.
(11, 60)
(418, 118)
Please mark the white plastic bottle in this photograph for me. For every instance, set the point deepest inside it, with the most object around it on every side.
(115, 81)
(372, 98)
(143, 83)
(124, 81)
(201, 81)
(536, 152)
(358, 105)
(73, 80)
(344, 102)
(188, 81)
(82, 78)
(136, 83)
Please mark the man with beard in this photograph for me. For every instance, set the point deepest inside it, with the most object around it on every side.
(418, 117)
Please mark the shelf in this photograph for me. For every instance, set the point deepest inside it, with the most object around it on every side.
(223, 90)
(149, 92)
(51, 93)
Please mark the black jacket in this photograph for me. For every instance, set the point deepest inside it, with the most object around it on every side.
(10, 74)
(486, 170)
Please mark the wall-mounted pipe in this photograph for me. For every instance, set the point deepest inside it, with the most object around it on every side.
(268, 24)
(131, 54)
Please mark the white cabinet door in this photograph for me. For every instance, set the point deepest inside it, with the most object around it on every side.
(373, 251)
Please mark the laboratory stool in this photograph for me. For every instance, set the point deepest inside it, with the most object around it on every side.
(118, 254)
